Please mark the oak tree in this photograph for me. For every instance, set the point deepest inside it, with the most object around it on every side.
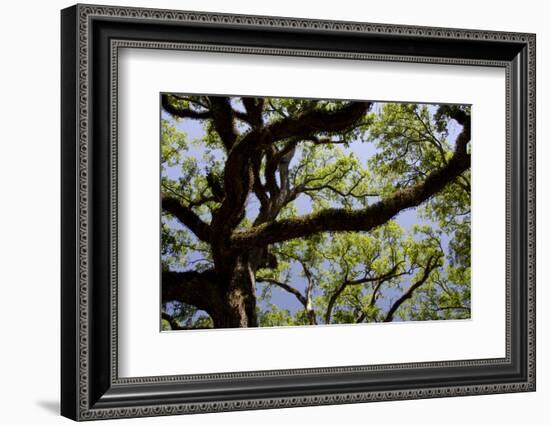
(273, 195)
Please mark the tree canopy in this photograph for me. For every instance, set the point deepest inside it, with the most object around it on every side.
(281, 211)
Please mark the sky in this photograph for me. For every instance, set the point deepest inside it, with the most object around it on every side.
(363, 151)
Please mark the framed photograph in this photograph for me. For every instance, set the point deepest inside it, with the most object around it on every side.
(263, 212)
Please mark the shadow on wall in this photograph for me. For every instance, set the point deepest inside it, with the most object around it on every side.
(50, 406)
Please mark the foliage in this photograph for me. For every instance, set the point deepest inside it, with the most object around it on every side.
(396, 271)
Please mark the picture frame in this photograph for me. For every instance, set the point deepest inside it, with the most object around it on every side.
(90, 384)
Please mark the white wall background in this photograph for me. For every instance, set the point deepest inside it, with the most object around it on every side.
(29, 213)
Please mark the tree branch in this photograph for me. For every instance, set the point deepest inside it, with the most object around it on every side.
(186, 216)
(285, 287)
(177, 111)
(254, 108)
(366, 279)
(314, 121)
(223, 119)
(433, 262)
(358, 220)
(310, 312)
(192, 288)
(258, 186)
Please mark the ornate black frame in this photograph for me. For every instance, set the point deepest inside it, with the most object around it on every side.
(91, 37)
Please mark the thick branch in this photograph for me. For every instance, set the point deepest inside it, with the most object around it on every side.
(313, 121)
(223, 117)
(180, 112)
(258, 186)
(270, 171)
(359, 220)
(254, 108)
(238, 182)
(187, 217)
(192, 288)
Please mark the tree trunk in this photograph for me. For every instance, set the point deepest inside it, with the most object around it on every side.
(238, 308)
